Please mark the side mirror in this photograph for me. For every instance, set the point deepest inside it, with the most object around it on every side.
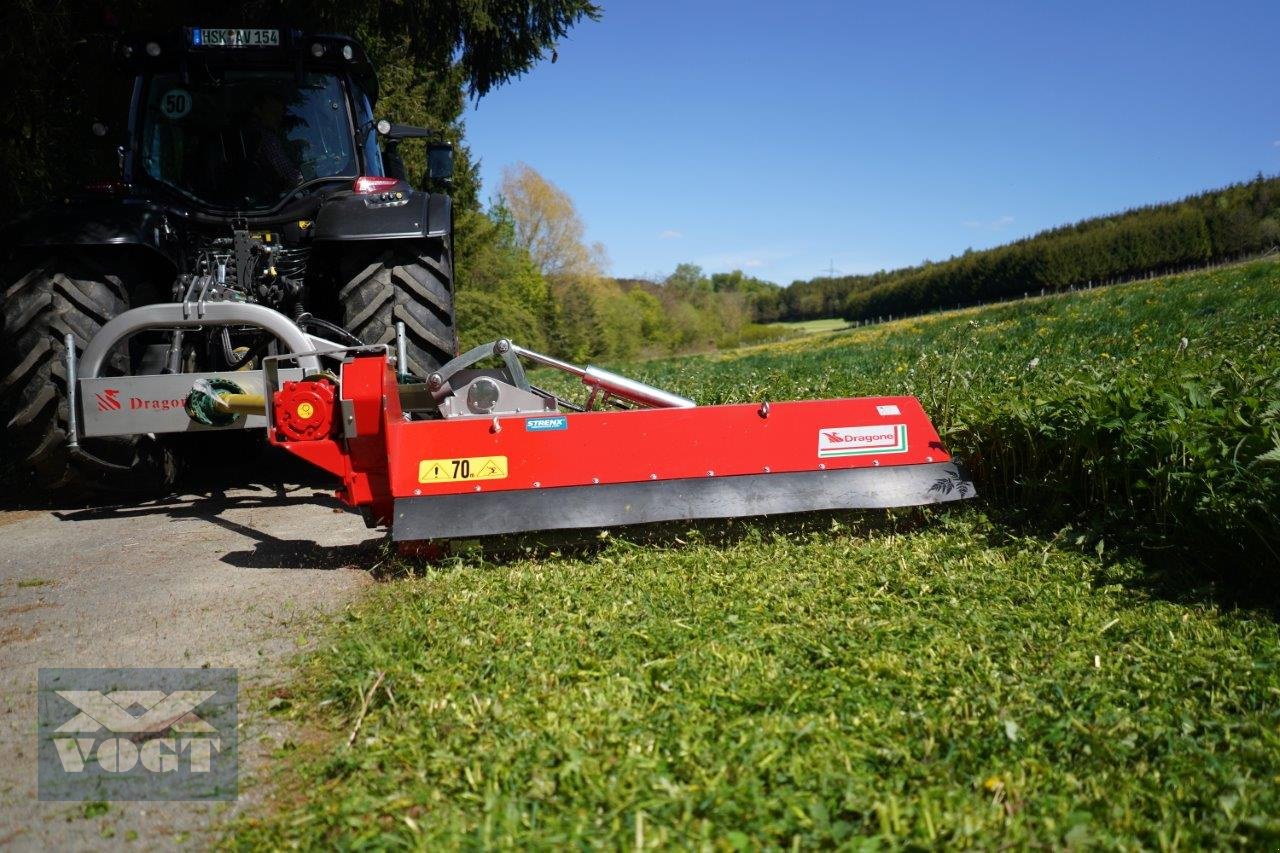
(440, 161)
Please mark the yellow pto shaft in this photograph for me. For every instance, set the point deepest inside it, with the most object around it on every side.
(240, 404)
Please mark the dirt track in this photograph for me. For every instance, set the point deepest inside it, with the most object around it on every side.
(220, 578)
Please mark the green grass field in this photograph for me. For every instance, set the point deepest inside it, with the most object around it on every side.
(810, 327)
(1065, 663)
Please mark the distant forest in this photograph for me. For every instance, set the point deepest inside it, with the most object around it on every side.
(1220, 225)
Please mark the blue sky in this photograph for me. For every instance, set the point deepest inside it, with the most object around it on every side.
(781, 138)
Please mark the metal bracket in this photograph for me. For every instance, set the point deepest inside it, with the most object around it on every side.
(271, 370)
(603, 383)
(402, 352)
(438, 382)
(73, 423)
(176, 315)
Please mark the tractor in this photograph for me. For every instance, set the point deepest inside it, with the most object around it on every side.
(261, 264)
(252, 170)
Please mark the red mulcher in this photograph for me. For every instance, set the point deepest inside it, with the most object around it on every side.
(475, 452)
(490, 472)
(478, 452)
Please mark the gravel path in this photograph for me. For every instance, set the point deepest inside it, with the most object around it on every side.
(233, 578)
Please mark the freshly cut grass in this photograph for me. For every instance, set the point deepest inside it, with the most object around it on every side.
(992, 675)
(806, 687)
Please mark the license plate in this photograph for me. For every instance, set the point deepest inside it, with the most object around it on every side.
(210, 37)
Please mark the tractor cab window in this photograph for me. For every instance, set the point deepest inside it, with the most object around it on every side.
(245, 139)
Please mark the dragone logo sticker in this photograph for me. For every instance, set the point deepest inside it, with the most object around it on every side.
(108, 400)
(137, 734)
(862, 440)
(166, 405)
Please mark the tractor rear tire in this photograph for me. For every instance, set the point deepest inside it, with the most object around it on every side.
(44, 299)
(409, 282)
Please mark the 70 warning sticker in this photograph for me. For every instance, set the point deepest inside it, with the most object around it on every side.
(468, 468)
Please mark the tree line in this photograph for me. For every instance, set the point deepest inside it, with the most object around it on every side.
(525, 271)
(1220, 225)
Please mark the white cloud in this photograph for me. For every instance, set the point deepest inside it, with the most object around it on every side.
(989, 224)
(1276, 143)
(748, 259)
(670, 234)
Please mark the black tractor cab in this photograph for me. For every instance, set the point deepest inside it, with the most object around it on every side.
(248, 120)
(253, 169)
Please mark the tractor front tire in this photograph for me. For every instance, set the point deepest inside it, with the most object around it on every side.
(44, 299)
(409, 282)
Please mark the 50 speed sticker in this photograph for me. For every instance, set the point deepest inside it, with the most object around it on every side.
(466, 468)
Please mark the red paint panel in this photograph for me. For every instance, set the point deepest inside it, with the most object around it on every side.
(665, 444)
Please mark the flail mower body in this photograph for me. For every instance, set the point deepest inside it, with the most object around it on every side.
(474, 451)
